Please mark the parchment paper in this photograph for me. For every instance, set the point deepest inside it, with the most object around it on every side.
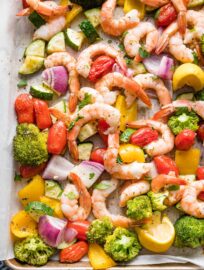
(15, 35)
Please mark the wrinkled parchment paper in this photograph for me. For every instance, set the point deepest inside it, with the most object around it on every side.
(15, 35)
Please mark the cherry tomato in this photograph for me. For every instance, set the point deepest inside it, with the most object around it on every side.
(200, 132)
(165, 165)
(30, 171)
(144, 136)
(42, 114)
(74, 253)
(185, 139)
(98, 154)
(24, 108)
(57, 138)
(166, 15)
(81, 227)
(102, 127)
(24, 3)
(100, 67)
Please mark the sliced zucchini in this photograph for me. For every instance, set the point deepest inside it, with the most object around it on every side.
(36, 19)
(93, 15)
(56, 43)
(195, 3)
(64, 244)
(41, 92)
(31, 65)
(38, 209)
(189, 177)
(74, 39)
(53, 189)
(84, 150)
(138, 68)
(36, 48)
(89, 31)
(186, 96)
(87, 131)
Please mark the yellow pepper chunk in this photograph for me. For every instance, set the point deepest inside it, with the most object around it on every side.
(120, 3)
(98, 258)
(54, 204)
(130, 153)
(32, 191)
(76, 9)
(22, 225)
(188, 161)
(127, 114)
(135, 4)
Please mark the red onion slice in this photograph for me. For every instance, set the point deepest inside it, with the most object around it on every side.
(70, 234)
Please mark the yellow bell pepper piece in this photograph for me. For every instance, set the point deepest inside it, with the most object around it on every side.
(135, 4)
(54, 204)
(120, 3)
(188, 161)
(76, 9)
(22, 225)
(127, 114)
(130, 153)
(32, 191)
(98, 258)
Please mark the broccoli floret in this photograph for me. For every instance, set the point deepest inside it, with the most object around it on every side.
(99, 230)
(87, 4)
(30, 145)
(122, 245)
(157, 200)
(189, 232)
(139, 208)
(33, 251)
(183, 119)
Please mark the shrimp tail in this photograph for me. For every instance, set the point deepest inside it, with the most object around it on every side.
(72, 145)
(24, 12)
(73, 99)
(60, 116)
(141, 94)
(182, 22)
(162, 114)
(162, 44)
(161, 181)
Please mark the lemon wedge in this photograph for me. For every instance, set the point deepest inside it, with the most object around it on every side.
(157, 236)
(188, 74)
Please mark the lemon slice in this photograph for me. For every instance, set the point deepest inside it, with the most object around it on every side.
(158, 236)
(188, 74)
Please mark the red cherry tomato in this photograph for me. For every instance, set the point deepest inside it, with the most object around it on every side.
(102, 127)
(166, 15)
(24, 108)
(30, 171)
(100, 67)
(165, 165)
(185, 139)
(98, 154)
(144, 136)
(24, 3)
(42, 114)
(74, 253)
(200, 132)
(81, 227)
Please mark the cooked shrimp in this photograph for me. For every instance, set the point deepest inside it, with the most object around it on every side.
(148, 81)
(175, 196)
(86, 57)
(164, 144)
(47, 8)
(163, 180)
(190, 203)
(134, 36)
(132, 171)
(71, 195)
(155, 3)
(69, 62)
(133, 190)
(116, 27)
(99, 205)
(179, 50)
(116, 79)
(197, 106)
(91, 112)
(48, 30)
(94, 95)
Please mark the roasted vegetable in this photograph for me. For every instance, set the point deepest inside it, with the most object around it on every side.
(122, 245)
(139, 208)
(99, 230)
(87, 4)
(29, 145)
(189, 232)
(157, 200)
(33, 251)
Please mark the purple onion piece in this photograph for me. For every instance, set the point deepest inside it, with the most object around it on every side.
(70, 234)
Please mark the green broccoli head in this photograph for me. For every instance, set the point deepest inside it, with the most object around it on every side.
(122, 245)
(33, 251)
(99, 230)
(189, 232)
(30, 145)
(139, 208)
(183, 119)
(157, 200)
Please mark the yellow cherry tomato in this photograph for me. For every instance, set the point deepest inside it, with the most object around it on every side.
(130, 153)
